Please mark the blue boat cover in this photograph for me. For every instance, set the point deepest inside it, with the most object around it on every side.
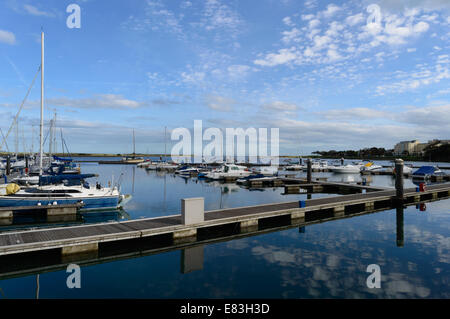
(425, 170)
(52, 179)
(62, 159)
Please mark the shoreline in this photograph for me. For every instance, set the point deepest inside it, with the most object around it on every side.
(376, 158)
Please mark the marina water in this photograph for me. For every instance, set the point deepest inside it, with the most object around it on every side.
(324, 260)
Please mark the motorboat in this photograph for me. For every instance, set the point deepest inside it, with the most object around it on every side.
(187, 170)
(265, 170)
(370, 167)
(346, 169)
(426, 172)
(294, 167)
(254, 177)
(228, 171)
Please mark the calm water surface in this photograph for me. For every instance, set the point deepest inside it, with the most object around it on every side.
(327, 260)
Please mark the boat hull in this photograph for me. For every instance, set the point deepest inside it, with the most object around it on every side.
(90, 203)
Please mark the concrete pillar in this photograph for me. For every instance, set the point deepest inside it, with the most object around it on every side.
(339, 211)
(309, 171)
(369, 205)
(192, 259)
(6, 221)
(6, 214)
(185, 233)
(400, 235)
(79, 249)
(192, 210)
(249, 225)
(298, 217)
(57, 211)
(399, 179)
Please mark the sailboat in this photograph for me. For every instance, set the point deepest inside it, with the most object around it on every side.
(128, 159)
(55, 189)
(162, 165)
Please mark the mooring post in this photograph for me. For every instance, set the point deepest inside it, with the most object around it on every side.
(399, 179)
(8, 165)
(26, 163)
(309, 173)
(400, 235)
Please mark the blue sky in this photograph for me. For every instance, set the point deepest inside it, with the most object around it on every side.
(326, 73)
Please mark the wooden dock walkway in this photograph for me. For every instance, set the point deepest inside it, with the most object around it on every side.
(78, 239)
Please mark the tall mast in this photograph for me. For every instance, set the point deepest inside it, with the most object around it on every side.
(165, 144)
(42, 105)
(134, 146)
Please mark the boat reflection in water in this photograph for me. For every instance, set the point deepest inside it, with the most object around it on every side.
(41, 220)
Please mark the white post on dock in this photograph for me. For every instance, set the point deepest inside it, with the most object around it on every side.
(192, 210)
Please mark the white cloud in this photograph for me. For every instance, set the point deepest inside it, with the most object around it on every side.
(360, 113)
(7, 37)
(272, 59)
(354, 19)
(35, 11)
(218, 15)
(331, 10)
(422, 76)
(112, 101)
(238, 71)
(291, 35)
(288, 21)
(219, 103)
(193, 78)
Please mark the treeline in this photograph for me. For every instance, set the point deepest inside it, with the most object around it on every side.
(438, 154)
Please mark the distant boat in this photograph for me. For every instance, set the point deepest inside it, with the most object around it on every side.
(371, 167)
(228, 171)
(266, 170)
(347, 169)
(426, 172)
(187, 170)
(132, 159)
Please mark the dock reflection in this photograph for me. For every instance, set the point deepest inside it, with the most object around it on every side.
(42, 220)
(191, 252)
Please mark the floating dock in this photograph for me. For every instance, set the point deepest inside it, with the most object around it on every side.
(50, 210)
(185, 227)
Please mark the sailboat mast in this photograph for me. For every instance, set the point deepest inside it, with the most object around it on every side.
(165, 144)
(134, 146)
(42, 105)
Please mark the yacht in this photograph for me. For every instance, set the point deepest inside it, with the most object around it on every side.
(93, 197)
(266, 170)
(228, 171)
(346, 169)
